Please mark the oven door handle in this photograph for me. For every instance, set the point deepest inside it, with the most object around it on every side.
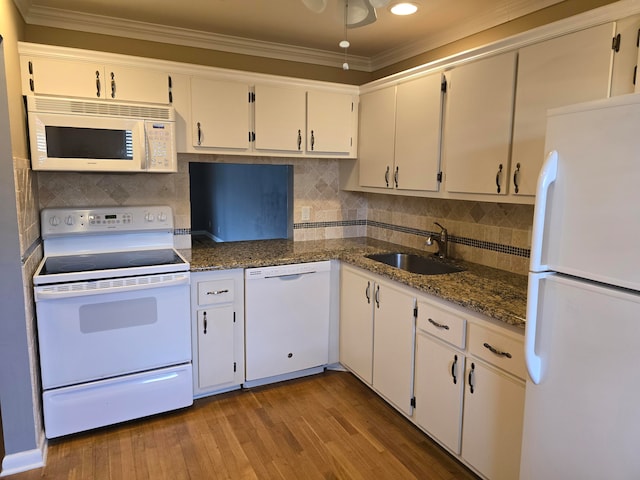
(112, 286)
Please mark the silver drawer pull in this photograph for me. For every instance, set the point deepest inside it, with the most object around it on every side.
(438, 325)
(497, 352)
(217, 292)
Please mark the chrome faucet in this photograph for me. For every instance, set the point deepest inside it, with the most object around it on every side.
(442, 240)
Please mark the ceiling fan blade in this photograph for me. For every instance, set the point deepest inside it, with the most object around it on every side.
(316, 6)
(379, 3)
(359, 13)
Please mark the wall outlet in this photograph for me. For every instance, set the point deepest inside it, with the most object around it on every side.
(306, 214)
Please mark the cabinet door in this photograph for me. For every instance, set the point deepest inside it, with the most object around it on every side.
(216, 352)
(67, 78)
(376, 139)
(356, 323)
(417, 137)
(279, 118)
(329, 123)
(439, 385)
(623, 75)
(393, 345)
(136, 84)
(492, 421)
(219, 114)
(477, 130)
(565, 70)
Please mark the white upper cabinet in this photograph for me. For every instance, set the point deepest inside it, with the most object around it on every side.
(477, 129)
(400, 135)
(330, 121)
(219, 114)
(71, 78)
(279, 118)
(377, 136)
(570, 69)
(625, 58)
(417, 138)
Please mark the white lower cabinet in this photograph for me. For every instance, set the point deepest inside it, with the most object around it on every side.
(439, 374)
(377, 329)
(217, 341)
(457, 375)
(493, 403)
(393, 344)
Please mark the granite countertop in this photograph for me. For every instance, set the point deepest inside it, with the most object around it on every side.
(496, 293)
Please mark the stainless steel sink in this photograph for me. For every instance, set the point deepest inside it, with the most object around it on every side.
(415, 263)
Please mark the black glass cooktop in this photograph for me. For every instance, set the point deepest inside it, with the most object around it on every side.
(109, 261)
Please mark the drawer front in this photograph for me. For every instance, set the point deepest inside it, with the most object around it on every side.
(500, 350)
(215, 291)
(442, 324)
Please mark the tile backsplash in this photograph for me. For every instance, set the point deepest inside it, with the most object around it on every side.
(492, 234)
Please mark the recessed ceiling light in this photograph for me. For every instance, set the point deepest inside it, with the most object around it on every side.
(404, 8)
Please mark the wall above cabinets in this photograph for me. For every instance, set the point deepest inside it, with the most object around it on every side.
(490, 133)
(217, 110)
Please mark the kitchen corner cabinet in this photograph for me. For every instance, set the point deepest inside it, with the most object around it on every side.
(71, 78)
(400, 135)
(219, 114)
(356, 322)
(562, 71)
(477, 126)
(377, 329)
(279, 119)
(331, 118)
(217, 300)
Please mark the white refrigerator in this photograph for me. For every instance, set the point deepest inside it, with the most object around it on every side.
(582, 342)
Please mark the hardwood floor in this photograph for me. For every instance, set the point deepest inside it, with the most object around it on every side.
(327, 426)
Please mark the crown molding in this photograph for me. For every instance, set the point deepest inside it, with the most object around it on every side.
(57, 18)
(473, 25)
(607, 13)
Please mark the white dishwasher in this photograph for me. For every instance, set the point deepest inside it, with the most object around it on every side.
(286, 320)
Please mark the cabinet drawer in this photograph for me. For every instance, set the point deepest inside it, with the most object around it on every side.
(442, 324)
(507, 353)
(215, 291)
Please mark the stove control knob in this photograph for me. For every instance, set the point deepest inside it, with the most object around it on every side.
(54, 221)
(69, 220)
(149, 217)
(162, 217)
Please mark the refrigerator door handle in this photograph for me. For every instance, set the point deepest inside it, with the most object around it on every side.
(533, 361)
(548, 175)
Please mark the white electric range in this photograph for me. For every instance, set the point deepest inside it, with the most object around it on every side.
(112, 304)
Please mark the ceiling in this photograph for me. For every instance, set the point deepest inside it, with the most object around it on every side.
(277, 28)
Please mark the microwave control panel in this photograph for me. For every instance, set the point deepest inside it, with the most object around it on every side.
(161, 149)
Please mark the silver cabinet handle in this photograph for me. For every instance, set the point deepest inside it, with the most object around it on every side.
(367, 292)
(217, 292)
(204, 323)
(199, 134)
(496, 351)
(313, 140)
(395, 176)
(378, 296)
(498, 188)
(438, 325)
(299, 139)
(97, 83)
(386, 176)
(472, 372)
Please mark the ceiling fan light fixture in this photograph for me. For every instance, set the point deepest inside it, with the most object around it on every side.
(379, 3)
(316, 6)
(404, 8)
(359, 13)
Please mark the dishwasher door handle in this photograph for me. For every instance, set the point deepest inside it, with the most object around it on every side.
(292, 276)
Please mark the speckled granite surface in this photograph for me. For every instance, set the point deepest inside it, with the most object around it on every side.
(495, 293)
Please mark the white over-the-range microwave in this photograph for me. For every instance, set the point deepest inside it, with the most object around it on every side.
(68, 134)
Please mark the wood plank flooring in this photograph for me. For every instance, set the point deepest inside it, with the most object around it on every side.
(328, 426)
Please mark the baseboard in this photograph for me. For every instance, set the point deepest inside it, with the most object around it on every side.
(281, 378)
(23, 461)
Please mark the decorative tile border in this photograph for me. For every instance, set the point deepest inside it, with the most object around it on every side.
(492, 246)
